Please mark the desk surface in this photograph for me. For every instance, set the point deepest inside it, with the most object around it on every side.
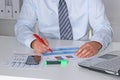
(56, 72)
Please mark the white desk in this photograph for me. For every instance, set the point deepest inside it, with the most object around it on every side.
(56, 72)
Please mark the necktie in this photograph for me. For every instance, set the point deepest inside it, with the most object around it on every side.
(64, 22)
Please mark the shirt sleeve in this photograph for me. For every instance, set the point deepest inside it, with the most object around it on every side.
(24, 27)
(102, 30)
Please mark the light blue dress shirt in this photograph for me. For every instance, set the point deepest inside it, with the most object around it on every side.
(83, 14)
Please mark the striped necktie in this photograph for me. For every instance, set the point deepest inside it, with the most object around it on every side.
(64, 22)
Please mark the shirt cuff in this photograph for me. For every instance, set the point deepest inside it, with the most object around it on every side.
(28, 42)
(104, 45)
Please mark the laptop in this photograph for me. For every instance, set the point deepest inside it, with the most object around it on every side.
(106, 63)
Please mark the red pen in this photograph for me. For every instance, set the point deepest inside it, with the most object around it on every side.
(41, 40)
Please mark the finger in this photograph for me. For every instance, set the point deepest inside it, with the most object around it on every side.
(40, 49)
(78, 52)
(87, 54)
(83, 53)
(43, 49)
(85, 46)
(37, 52)
(82, 50)
(90, 53)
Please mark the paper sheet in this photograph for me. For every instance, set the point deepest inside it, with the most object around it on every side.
(18, 59)
(61, 53)
(18, 78)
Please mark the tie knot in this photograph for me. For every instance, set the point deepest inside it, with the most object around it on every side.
(62, 2)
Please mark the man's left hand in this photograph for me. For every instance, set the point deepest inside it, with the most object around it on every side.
(89, 49)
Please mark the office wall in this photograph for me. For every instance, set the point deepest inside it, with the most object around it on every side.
(7, 27)
(112, 10)
(113, 13)
(9, 11)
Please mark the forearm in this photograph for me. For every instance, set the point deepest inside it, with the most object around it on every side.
(103, 36)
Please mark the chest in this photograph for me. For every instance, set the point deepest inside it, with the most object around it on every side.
(47, 10)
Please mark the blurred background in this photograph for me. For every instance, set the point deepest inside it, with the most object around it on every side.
(111, 6)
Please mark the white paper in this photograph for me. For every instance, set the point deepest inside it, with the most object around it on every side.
(2, 77)
(18, 60)
(61, 53)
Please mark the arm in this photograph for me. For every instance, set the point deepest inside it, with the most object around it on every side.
(24, 27)
(102, 31)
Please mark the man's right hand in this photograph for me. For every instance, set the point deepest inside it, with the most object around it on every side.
(39, 47)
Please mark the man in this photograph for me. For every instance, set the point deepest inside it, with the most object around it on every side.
(82, 14)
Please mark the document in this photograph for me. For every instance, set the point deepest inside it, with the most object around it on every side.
(61, 53)
(34, 61)
(3, 77)
(22, 61)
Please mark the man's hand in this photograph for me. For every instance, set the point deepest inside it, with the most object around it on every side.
(39, 47)
(89, 49)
